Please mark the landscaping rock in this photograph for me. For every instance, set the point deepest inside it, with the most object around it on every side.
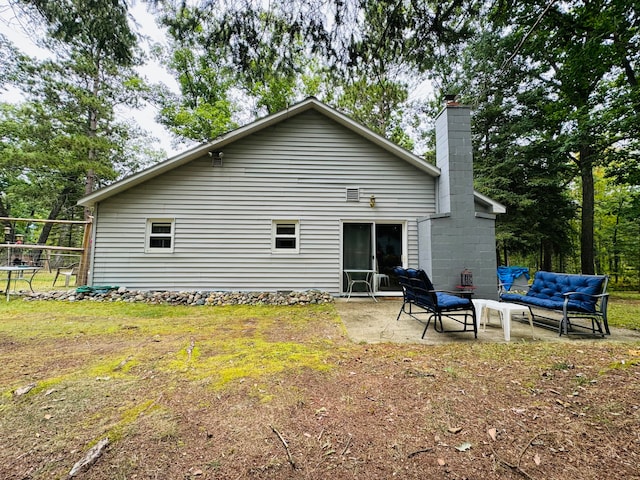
(197, 298)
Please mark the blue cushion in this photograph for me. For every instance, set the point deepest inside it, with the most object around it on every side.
(508, 275)
(405, 283)
(425, 300)
(548, 288)
(446, 300)
(533, 301)
(418, 288)
(422, 286)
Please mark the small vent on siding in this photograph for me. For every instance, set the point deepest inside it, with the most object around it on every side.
(353, 194)
(216, 158)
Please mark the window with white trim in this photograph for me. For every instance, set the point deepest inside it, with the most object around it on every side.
(285, 236)
(159, 235)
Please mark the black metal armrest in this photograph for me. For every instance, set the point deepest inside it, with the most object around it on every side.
(587, 294)
(601, 298)
(599, 295)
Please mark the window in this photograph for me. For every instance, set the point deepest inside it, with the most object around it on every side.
(159, 235)
(285, 236)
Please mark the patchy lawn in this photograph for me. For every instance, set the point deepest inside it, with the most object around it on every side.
(280, 392)
(624, 310)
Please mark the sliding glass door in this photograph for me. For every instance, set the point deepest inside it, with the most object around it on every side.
(373, 246)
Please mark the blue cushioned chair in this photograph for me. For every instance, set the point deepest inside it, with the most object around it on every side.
(418, 291)
(576, 296)
(513, 278)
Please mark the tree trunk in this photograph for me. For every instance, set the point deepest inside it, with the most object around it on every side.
(89, 185)
(4, 212)
(547, 256)
(92, 132)
(53, 214)
(615, 245)
(587, 261)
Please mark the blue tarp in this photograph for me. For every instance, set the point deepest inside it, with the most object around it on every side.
(507, 275)
(96, 289)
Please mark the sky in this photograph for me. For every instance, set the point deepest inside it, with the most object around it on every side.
(15, 31)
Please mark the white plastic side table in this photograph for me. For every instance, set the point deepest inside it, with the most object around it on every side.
(505, 310)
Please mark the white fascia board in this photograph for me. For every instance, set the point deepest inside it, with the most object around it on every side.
(496, 207)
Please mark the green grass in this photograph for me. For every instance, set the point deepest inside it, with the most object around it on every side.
(162, 381)
(42, 282)
(228, 342)
(624, 310)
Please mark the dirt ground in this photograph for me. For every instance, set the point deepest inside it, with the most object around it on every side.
(308, 393)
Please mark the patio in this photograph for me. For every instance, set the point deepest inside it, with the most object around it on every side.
(370, 322)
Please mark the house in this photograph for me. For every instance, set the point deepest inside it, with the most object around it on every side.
(289, 202)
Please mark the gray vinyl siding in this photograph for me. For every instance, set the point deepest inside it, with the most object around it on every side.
(297, 170)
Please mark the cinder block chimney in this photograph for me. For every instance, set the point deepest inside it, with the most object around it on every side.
(454, 157)
(459, 235)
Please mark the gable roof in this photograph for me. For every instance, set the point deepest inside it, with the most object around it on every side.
(310, 103)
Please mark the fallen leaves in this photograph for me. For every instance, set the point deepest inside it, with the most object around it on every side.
(463, 447)
(90, 458)
(24, 390)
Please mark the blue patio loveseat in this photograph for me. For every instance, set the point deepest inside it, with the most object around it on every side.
(573, 296)
(418, 292)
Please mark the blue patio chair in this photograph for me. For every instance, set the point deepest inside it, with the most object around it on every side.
(418, 291)
(513, 277)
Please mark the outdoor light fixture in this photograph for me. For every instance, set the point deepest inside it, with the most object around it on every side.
(372, 201)
(217, 158)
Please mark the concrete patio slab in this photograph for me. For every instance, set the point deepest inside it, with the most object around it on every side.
(369, 322)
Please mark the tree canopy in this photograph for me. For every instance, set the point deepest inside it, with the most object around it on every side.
(555, 83)
(553, 86)
(62, 138)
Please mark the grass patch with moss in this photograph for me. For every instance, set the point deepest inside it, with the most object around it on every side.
(199, 392)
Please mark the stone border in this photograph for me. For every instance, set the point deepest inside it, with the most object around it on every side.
(188, 298)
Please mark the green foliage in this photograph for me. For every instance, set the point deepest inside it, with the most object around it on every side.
(204, 111)
(556, 94)
(220, 53)
(360, 56)
(64, 138)
(617, 229)
(101, 24)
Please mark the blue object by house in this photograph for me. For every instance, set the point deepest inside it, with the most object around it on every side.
(576, 296)
(508, 275)
(418, 291)
(549, 290)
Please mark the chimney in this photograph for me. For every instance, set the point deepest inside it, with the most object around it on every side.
(454, 157)
(456, 237)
